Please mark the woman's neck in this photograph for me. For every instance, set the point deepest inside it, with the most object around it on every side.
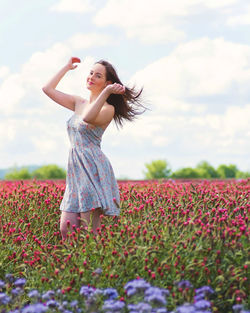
(93, 97)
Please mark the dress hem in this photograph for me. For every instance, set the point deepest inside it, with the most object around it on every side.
(106, 214)
(90, 211)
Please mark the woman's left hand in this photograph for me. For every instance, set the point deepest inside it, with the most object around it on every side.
(116, 88)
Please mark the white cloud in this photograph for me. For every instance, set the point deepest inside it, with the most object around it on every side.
(155, 21)
(217, 4)
(75, 6)
(153, 34)
(41, 66)
(200, 67)
(84, 41)
(32, 128)
(4, 71)
(240, 18)
(34, 141)
(12, 91)
(146, 20)
(182, 140)
(161, 141)
(197, 68)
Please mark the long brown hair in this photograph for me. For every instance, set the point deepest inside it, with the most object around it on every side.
(123, 103)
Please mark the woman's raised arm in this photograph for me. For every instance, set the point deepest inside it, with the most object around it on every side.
(66, 100)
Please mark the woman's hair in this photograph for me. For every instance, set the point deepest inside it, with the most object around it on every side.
(121, 102)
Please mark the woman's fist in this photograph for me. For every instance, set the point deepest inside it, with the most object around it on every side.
(116, 88)
(71, 62)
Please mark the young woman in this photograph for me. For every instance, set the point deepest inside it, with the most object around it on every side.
(90, 183)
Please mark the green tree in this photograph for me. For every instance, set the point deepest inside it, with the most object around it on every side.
(187, 172)
(241, 174)
(51, 171)
(157, 169)
(206, 170)
(227, 171)
(16, 174)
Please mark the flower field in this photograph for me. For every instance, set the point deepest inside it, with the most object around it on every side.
(175, 236)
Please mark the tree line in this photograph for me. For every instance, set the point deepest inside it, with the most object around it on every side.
(50, 171)
(154, 170)
(161, 169)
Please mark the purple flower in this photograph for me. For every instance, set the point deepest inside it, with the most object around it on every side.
(137, 284)
(98, 271)
(205, 289)
(160, 310)
(186, 308)
(156, 298)
(48, 295)
(154, 294)
(4, 299)
(111, 293)
(184, 284)
(165, 292)
(73, 303)
(86, 291)
(52, 304)
(113, 305)
(237, 308)
(131, 292)
(2, 284)
(20, 282)
(131, 307)
(140, 307)
(34, 294)
(35, 308)
(199, 296)
(64, 304)
(98, 292)
(202, 304)
(10, 278)
(16, 291)
(151, 290)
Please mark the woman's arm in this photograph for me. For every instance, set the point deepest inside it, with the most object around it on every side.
(96, 114)
(66, 100)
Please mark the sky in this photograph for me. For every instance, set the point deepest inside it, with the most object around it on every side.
(192, 57)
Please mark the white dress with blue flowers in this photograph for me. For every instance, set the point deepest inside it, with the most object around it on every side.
(90, 181)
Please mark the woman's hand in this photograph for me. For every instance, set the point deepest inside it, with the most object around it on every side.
(116, 88)
(71, 61)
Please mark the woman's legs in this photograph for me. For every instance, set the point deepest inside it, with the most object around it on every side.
(96, 221)
(72, 219)
(85, 218)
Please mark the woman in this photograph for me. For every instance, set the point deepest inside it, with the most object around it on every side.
(90, 182)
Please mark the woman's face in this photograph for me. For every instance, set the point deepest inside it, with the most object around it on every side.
(96, 80)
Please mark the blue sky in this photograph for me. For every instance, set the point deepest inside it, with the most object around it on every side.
(191, 56)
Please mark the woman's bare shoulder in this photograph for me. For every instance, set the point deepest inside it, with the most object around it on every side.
(80, 102)
(79, 99)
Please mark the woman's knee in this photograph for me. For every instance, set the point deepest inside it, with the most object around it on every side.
(68, 221)
(85, 217)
